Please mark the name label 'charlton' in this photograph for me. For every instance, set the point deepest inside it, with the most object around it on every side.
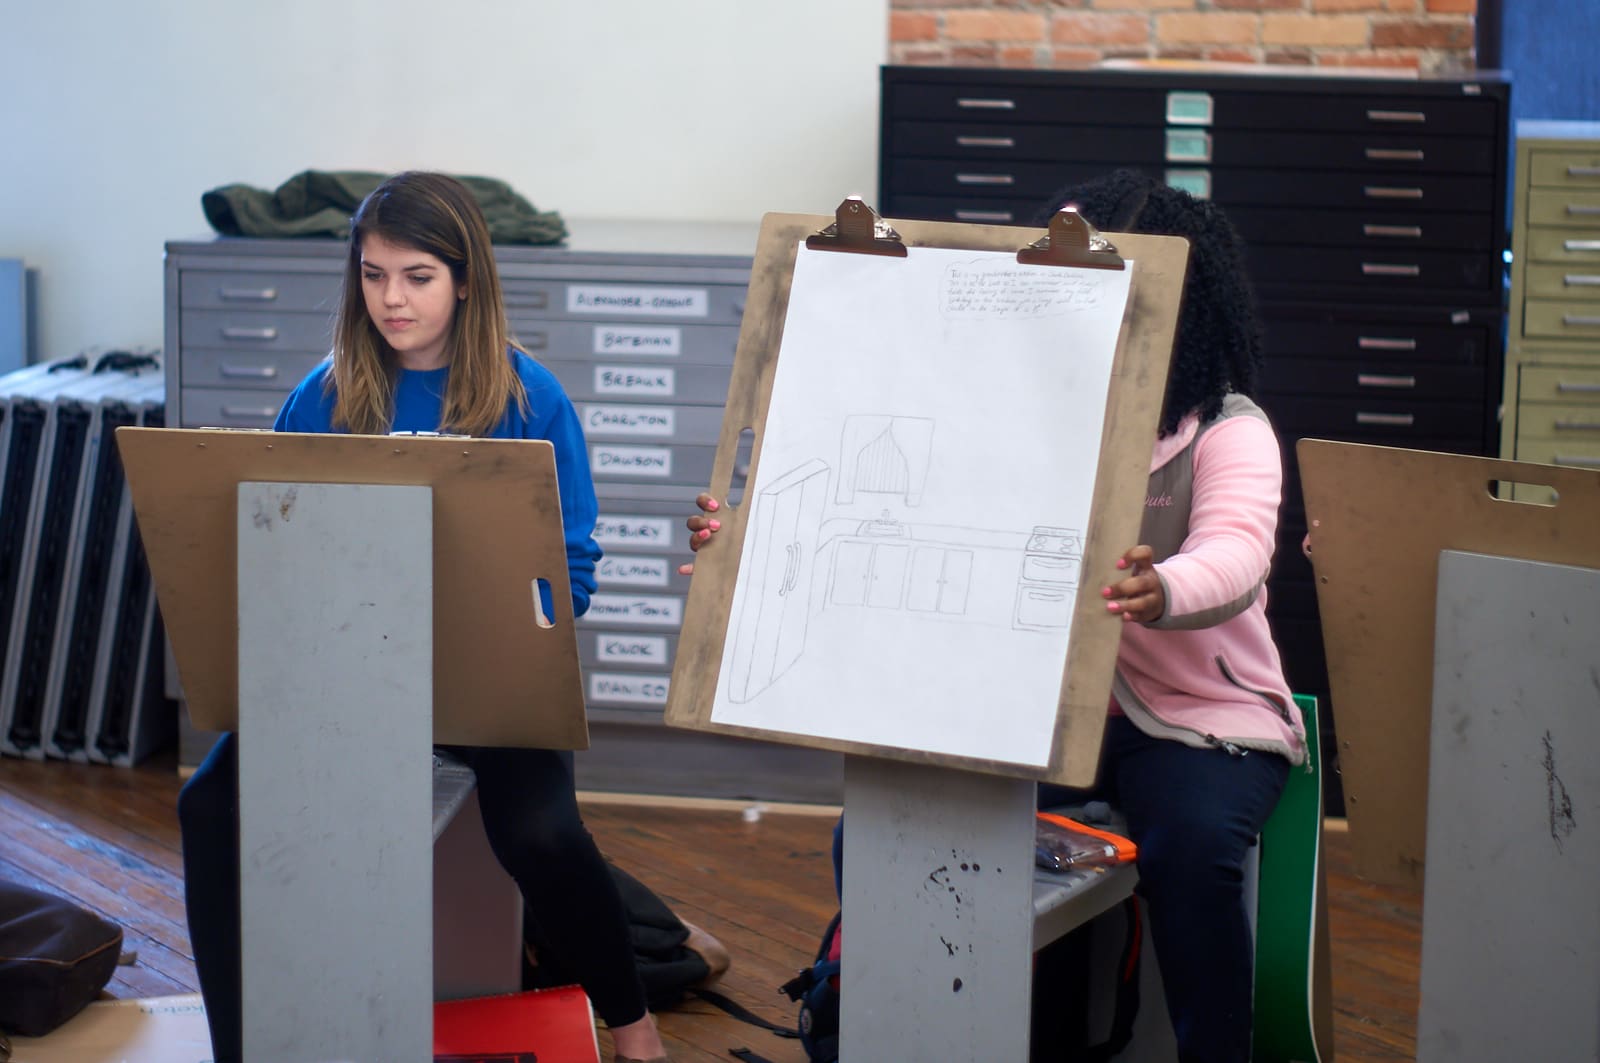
(643, 301)
(630, 420)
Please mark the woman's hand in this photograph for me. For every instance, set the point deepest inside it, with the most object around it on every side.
(1138, 598)
(701, 527)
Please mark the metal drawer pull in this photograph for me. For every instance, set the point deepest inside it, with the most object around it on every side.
(1580, 319)
(538, 341)
(1396, 116)
(980, 103)
(1378, 380)
(1564, 388)
(528, 300)
(1378, 269)
(1563, 425)
(1583, 171)
(986, 142)
(1379, 343)
(1582, 245)
(1411, 231)
(1578, 459)
(239, 332)
(1383, 192)
(985, 179)
(264, 413)
(1582, 208)
(248, 372)
(1000, 216)
(1581, 280)
(1399, 420)
(1395, 154)
(248, 295)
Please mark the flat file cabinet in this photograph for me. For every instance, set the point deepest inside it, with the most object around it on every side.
(1552, 383)
(639, 322)
(1372, 211)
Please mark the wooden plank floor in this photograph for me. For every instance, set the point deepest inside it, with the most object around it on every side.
(108, 838)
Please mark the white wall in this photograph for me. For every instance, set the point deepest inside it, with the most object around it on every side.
(116, 117)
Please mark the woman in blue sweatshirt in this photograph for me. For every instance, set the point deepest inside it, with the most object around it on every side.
(421, 344)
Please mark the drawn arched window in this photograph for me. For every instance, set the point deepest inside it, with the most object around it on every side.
(880, 454)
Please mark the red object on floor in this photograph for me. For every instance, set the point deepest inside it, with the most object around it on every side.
(540, 1026)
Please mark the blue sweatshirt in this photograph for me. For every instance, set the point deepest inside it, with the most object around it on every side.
(418, 398)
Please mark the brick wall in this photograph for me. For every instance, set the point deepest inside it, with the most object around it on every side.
(1430, 36)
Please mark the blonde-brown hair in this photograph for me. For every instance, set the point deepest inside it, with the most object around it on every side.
(436, 214)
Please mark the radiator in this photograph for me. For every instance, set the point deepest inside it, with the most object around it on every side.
(82, 673)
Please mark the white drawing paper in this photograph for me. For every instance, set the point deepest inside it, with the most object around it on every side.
(926, 473)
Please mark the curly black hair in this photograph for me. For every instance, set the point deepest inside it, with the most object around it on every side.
(1218, 346)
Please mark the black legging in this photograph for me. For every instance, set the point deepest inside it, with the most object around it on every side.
(530, 814)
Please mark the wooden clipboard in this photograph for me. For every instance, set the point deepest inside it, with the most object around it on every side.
(500, 679)
(1379, 518)
(1132, 413)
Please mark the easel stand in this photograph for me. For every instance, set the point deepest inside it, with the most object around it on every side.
(335, 781)
(1511, 930)
(938, 913)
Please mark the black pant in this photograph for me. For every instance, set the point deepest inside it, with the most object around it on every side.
(530, 814)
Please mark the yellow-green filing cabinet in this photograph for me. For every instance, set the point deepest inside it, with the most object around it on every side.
(1552, 392)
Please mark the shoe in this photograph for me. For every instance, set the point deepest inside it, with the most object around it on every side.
(709, 949)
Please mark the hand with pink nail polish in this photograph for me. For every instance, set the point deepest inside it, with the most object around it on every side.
(701, 527)
(1138, 598)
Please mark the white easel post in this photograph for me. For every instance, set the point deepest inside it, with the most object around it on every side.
(938, 913)
(335, 782)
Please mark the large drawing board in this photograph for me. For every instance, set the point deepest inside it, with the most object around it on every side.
(1379, 518)
(950, 453)
(500, 677)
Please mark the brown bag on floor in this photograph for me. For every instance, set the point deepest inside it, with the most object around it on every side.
(55, 957)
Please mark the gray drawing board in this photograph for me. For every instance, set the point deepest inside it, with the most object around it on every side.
(500, 678)
(1379, 518)
(891, 520)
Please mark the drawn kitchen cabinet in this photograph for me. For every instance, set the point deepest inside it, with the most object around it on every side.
(771, 629)
(940, 579)
(869, 573)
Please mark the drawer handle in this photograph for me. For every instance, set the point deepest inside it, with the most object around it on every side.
(240, 332)
(1381, 343)
(1396, 116)
(1583, 171)
(263, 413)
(248, 372)
(1000, 216)
(1582, 245)
(1583, 209)
(985, 179)
(1583, 460)
(1582, 280)
(985, 104)
(1387, 192)
(1580, 319)
(1397, 420)
(1413, 232)
(528, 300)
(1395, 154)
(1564, 388)
(248, 295)
(986, 142)
(1378, 269)
(1378, 380)
(1564, 425)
